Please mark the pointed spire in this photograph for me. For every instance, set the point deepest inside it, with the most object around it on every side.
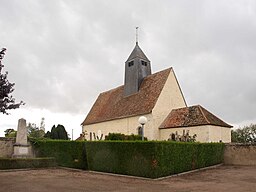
(137, 67)
(137, 52)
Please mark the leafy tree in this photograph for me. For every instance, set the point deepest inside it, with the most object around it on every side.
(247, 134)
(7, 101)
(10, 133)
(48, 134)
(34, 131)
(58, 132)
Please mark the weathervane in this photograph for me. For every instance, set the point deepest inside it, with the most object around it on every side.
(137, 35)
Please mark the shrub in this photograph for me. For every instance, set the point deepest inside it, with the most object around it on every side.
(123, 137)
(67, 153)
(26, 163)
(151, 159)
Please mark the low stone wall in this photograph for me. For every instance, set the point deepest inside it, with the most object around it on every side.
(6, 147)
(240, 154)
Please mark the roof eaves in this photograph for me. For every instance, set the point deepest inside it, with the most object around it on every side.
(111, 119)
(185, 126)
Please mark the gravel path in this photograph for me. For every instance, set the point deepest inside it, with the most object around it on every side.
(223, 178)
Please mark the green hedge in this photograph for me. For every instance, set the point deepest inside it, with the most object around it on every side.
(173, 157)
(123, 157)
(151, 159)
(67, 153)
(6, 163)
(123, 137)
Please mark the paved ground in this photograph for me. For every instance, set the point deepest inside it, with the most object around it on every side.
(223, 178)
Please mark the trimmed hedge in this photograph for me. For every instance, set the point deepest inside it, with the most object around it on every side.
(151, 159)
(67, 153)
(123, 137)
(122, 157)
(6, 163)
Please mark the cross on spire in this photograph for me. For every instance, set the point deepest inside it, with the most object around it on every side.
(137, 35)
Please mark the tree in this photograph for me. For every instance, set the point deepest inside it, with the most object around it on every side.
(58, 132)
(48, 134)
(10, 133)
(247, 134)
(7, 101)
(34, 131)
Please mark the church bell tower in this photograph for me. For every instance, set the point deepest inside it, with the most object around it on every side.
(137, 67)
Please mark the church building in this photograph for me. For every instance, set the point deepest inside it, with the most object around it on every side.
(159, 98)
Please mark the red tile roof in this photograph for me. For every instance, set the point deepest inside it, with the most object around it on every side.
(191, 116)
(112, 104)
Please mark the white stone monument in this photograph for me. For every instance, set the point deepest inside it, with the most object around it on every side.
(21, 147)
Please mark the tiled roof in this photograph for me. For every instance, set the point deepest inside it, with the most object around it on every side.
(191, 116)
(112, 104)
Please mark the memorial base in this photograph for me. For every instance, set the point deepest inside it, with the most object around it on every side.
(21, 151)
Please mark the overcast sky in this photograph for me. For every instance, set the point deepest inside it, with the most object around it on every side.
(62, 54)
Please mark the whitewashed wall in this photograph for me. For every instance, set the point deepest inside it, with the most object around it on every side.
(170, 98)
(205, 133)
(126, 126)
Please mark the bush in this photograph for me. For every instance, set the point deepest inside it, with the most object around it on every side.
(123, 137)
(67, 153)
(151, 159)
(247, 134)
(26, 163)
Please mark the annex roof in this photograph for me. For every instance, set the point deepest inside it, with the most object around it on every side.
(191, 116)
(112, 104)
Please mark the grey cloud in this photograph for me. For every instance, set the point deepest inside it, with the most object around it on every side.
(62, 54)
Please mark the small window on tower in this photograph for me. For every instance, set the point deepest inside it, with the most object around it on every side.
(144, 63)
(130, 63)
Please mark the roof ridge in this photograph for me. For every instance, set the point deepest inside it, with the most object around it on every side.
(118, 87)
(169, 68)
(200, 108)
